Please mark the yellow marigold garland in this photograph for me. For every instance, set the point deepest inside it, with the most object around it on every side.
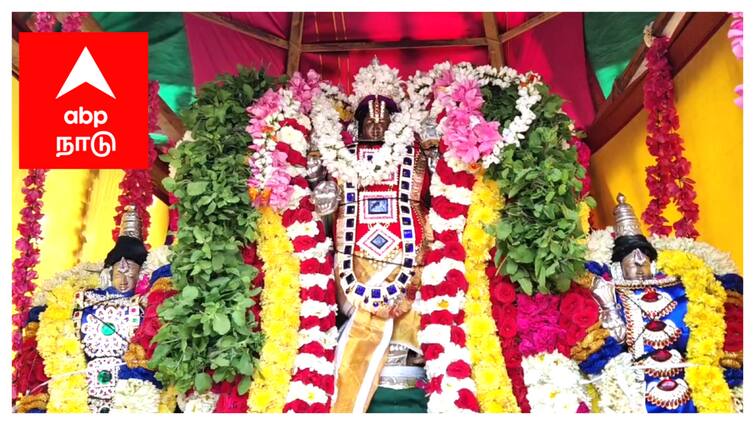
(58, 344)
(488, 365)
(705, 319)
(279, 316)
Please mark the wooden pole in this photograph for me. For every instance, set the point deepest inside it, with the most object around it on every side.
(294, 43)
(491, 36)
(242, 28)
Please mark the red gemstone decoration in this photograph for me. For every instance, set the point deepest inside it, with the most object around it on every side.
(655, 326)
(661, 355)
(668, 385)
(650, 297)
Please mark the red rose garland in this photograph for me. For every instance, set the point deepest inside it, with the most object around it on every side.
(136, 186)
(23, 267)
(441, 297)
(668, 179)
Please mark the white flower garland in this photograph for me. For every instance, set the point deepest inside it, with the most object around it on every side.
(136, 396)
(621, 386)
(554, 383)
(600, 249)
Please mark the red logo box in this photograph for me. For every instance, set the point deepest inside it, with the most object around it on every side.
(83, 100)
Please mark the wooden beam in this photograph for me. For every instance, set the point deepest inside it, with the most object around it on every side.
(491, 36)
(692, 33)
(294, 43)
(255, 33)
(348, 46)
(15, 58)
(527, 25)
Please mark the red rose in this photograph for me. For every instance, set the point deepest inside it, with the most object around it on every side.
(458, 336)
(447, 209)
(441, 317)
(459, 370)
(507, 327)
(309, 322)
(303, 243)
(504, 293)
(586, 318)
(467, 400)
(432, 351)
(314, 348)
(432, 386)
(296, 406)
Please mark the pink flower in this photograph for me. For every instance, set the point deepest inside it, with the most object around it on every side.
(467, 93)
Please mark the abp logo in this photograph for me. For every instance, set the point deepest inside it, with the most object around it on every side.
(83, 100)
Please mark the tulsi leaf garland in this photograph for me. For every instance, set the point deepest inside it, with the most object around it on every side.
(541, 181)
(208, 324)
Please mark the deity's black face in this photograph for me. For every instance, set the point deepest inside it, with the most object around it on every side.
(373, 129)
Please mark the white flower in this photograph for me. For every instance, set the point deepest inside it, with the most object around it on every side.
(136, 396)
(197, 403)
(621, 386)
(554, 383)
(307, 392)
(600, 245)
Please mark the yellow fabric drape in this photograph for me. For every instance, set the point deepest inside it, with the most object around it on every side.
(78, 208)
(711, 126)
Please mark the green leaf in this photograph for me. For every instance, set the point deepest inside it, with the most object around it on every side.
(221, 324)
(244, 385)
(196, 188)
(202, 382)
(189, 293)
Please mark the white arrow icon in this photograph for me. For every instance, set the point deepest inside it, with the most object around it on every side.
(85, 71)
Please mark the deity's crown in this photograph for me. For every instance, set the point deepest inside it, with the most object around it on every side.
(131, 223)
(626, 223)
(379, 80)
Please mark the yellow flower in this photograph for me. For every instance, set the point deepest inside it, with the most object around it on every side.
(279, 317)
(488, 365)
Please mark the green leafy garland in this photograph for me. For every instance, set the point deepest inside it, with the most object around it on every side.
(208, 325)
(538, 232)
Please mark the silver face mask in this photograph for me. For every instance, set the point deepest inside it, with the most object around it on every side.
(325, 197)
(125, 275)
(636, 266)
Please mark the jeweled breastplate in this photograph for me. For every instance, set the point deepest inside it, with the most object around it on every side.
(106, 319)
(380, 234)
(657, 339)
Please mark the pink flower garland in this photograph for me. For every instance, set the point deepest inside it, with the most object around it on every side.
(668, 179)
(136, 186)
(736, 36)
(45, 21)
(468, 136)
(23, 267)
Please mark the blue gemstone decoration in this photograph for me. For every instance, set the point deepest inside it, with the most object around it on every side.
(375, 304)
(409, 149)
(351, 209)
(347, 264)
(408, 161)
(379, 241)
(377, 206)
(350, 279)
(408, 262)
(391, 289)
(403, 277)
(406, 220)
(375, 293)
(350, 197)
(347, 250)
(360, 290)
(404, 197)
(349, 236)
(405, 209)
(408, 233)
(406, 173)
(409, 247)
(350, 222)
(405, 185)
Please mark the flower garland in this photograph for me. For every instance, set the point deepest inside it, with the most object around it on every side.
(24, 272)
(136, 185)
(279, 316)
(343, 164)
(488, 366)
(313, 377)
(44, 21)
(554, 384)
(58, 344)
(621, 386)
(600, 248)
(668, 179)
(705, 319)
(736, 36)
(503, 298)
(442, 334)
